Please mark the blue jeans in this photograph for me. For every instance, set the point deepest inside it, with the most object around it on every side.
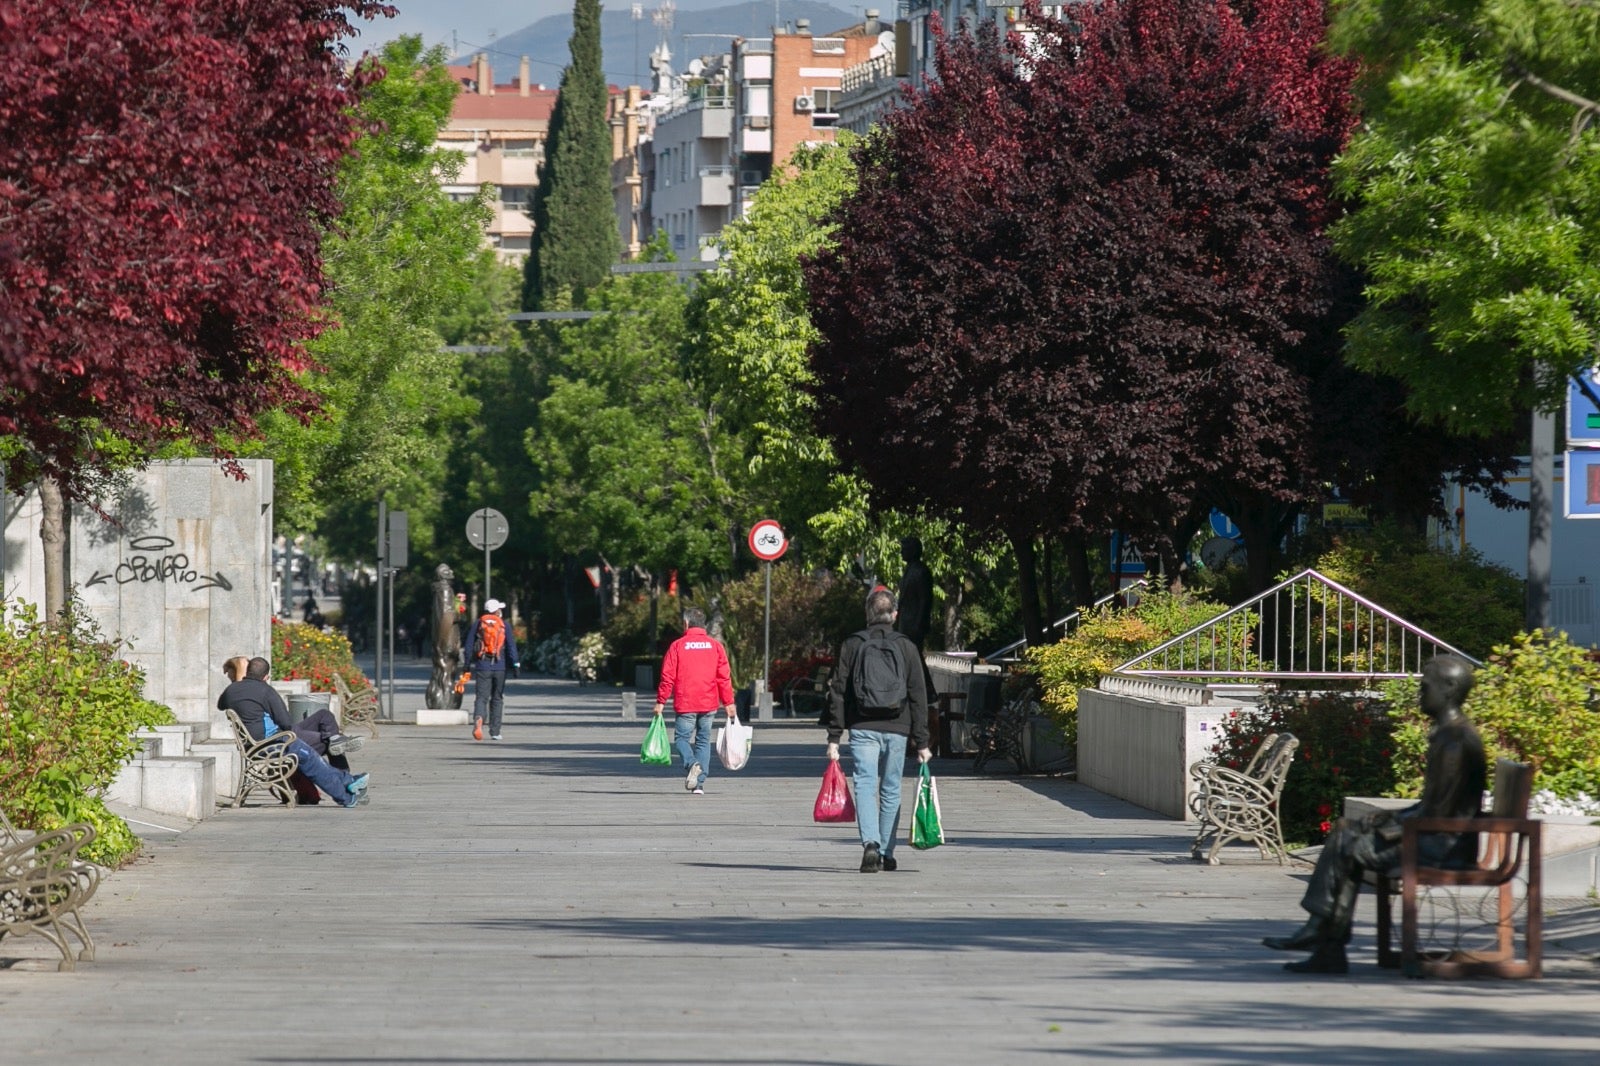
(691, 735)
(879, 761)
(490, 697)
(325, 777)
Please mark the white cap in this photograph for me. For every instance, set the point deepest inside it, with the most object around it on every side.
(492, 606)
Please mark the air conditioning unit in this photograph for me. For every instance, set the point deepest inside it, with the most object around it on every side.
(749, 177)
(805, 103)
(760, 122)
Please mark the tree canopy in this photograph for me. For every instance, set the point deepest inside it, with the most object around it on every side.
(1088, 327)
(1476, 177)
(166, 175)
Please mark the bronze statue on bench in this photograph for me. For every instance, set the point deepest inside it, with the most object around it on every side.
(1452, 787)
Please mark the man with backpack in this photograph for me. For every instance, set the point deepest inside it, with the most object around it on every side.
(878, 693)
(490, 646)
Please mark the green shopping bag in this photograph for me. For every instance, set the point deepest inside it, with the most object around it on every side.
(655, 750)
(926, 830)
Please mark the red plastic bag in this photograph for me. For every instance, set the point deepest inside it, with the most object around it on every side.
(833, 801)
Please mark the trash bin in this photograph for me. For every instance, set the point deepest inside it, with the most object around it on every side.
(304, 705)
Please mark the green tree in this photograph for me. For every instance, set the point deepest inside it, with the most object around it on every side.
(401, 255)
(630, 463)
(1477, 181)
(575, 239)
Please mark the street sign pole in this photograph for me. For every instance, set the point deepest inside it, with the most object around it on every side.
(487, 529)
(768, 544)
(383, 562)
(486, 553)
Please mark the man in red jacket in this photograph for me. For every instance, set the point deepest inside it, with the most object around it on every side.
(694, 675)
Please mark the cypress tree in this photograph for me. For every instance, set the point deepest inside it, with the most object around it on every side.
(575, 239)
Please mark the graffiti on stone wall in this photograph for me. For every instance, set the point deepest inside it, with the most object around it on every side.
(156, 563)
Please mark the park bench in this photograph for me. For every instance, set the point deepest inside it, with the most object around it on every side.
(264, 763)
(807, 697)
(1243, 804)
(1478, 897)
(43, 882)
(359, 708)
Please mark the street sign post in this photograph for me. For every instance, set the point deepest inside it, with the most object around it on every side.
(487, 529)
(768, 544)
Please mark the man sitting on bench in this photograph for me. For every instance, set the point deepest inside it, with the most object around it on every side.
(1452, 787)
(264, 714)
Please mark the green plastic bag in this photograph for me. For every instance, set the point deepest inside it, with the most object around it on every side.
(655, 751)
(926, 830)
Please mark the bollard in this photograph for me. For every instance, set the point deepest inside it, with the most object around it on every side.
(629, 701)
(763, 701)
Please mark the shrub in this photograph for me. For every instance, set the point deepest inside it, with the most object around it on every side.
(1346, 748)
(1457, 596)
(1105, 638)
(68, 711)
(554, 655)
(304, 651)
(589, 658)
(1534, 701)
(812, 613)
(627, 631)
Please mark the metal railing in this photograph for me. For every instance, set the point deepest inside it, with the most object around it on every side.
(1308, 627)
(1065, 623)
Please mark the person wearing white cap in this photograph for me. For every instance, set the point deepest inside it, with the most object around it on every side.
(489, 648)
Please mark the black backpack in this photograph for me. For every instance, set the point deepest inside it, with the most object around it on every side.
(878, 675)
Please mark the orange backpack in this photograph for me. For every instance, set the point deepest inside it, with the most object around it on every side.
(491, 636)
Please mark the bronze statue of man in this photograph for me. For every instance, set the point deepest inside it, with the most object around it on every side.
(1452, 787)
(442, 694)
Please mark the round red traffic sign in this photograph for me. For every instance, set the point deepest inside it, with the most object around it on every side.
(767, 540)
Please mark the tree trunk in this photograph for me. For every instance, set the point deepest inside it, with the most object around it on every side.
(952, 616)
(1028, 587)
(1049, 567)
(53, 534)
(1078, 567)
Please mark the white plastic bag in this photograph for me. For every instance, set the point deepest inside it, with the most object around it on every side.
(733, 744)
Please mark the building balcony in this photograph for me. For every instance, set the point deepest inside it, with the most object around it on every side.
(716, 187)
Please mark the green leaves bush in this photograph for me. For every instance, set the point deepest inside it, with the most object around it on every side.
(68, 711)
(1457, 596)
(1534, 700)
(1105, 638)
(812, 613)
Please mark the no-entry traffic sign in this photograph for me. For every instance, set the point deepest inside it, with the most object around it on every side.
(767, 540)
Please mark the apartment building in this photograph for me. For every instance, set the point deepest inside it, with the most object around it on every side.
(501, 130)
(790, 88)
(691, 145)
(870, 89)
(631, 121)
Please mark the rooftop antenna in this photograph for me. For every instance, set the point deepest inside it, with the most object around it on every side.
(662, 17)
(638, 16)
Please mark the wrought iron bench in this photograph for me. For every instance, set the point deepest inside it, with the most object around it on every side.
(807, 697)
(1243, 804)
(43, 882)
(264, 763)
(359, 708)
(1509, 851)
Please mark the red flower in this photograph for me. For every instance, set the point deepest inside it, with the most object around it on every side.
(1325, 826)
(1324, 809)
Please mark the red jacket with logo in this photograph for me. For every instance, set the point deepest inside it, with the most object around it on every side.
(695, 671)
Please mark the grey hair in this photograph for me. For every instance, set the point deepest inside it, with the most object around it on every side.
(880, 607)
(694, 616)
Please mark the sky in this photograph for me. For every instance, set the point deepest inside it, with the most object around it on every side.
(472, 20)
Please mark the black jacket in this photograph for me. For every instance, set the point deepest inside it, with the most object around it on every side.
(842, 711)
(250, 698)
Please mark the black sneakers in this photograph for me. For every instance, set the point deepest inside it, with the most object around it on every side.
(871, 859)
(890, 863)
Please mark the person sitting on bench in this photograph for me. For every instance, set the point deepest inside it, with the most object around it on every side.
(264, 714)
(320, 728)
(1452, 787)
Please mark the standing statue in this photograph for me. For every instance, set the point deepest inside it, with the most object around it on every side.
(442, 694)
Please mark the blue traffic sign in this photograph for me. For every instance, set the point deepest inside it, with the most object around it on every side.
(1583, 417)
(1223, 526)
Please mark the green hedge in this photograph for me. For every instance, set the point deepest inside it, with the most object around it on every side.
(68, 711)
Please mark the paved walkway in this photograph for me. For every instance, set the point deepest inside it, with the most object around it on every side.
(548, 900)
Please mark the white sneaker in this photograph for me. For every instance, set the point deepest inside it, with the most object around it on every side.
(494, 736)
(692, 781)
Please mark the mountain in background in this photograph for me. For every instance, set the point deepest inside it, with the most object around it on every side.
(626, 43)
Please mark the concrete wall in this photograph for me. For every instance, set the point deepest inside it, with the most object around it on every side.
(181, 575)
(1140, 749)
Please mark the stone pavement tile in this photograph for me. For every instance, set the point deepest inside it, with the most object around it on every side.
(549, 900)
